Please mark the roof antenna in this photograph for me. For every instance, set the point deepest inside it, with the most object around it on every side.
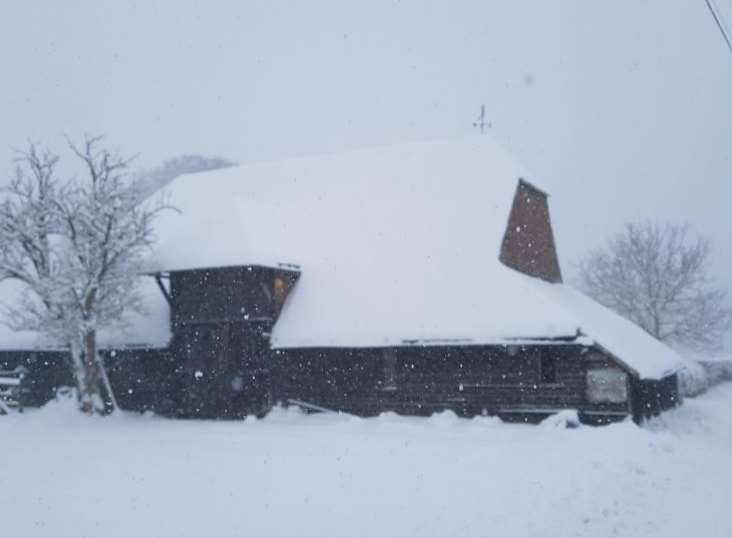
(480, 122)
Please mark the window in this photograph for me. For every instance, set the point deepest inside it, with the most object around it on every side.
(390, 361)
(548, 369)
(280, 294)
(607, 385)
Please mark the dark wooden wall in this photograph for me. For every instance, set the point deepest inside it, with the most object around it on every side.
(242, 293)
(231, 372)
(142, 379)
(470, 379)
(222, 369)
(221, 321)
(47, 371)
(651, 397)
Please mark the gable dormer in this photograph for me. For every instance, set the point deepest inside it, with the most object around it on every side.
(528, 242)
(245, 293)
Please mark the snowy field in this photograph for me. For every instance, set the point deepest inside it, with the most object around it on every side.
(64, 475)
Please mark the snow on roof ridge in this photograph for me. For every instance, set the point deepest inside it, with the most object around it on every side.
(484, 139)
(284, 266)
(368, 148)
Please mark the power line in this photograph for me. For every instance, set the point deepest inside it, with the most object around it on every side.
(720, 24)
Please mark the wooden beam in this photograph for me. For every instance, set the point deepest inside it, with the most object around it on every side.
(166, 293)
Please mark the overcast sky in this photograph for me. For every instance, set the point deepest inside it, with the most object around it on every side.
(622, 108)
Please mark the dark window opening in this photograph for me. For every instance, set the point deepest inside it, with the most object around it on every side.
(548, 369)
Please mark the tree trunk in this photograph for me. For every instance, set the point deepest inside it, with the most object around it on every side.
(91, 399)
(91, 395)
(78, 370)
(107, 385)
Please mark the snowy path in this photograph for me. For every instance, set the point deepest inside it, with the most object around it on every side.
(326, 476)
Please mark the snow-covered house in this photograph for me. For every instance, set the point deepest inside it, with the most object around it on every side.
(426, 277)
(410, 278)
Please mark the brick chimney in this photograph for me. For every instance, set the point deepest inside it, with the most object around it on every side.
(528, 243)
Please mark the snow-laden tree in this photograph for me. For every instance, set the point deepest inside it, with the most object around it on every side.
(657, 277)
(76, 246)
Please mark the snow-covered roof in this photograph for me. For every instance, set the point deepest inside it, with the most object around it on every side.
(626, 341)
(395, 244)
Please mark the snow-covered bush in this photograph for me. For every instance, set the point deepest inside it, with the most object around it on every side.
(693, 379)
(704, 373)
(567, 418)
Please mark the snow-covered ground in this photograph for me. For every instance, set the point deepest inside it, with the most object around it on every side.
(324, 475)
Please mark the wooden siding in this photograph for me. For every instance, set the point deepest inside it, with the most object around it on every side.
(220, 294)
(217, 365)
(229, 294)
(228, 370)
(651, 397)
(222, 369)
(468, 379)
(47, 371)
(142, 379)
(223, 374)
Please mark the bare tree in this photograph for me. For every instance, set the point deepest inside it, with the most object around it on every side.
(76, 245)
(656, 276)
